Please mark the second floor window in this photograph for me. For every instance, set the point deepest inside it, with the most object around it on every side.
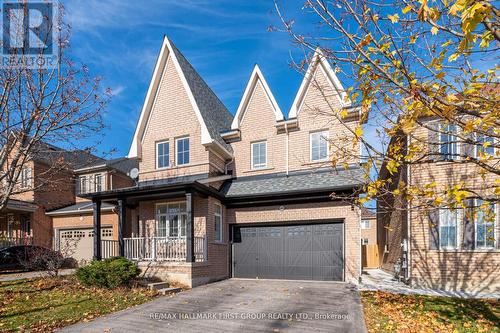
(82, 182)
(448, 142)
(482, 141)
(182, 151)
(259, 155)
(26, 178)
(365, 224)
(162, 154)
(448, 228)
(319, 146)
(97, 182)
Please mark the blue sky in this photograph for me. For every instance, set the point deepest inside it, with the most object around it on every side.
(119, 40)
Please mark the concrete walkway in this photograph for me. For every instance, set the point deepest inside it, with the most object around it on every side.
(239, 305)
(31, 275)
(377, 279)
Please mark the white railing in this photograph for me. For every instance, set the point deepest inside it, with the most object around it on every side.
(163, 248)
(109, 248)
(13, 241)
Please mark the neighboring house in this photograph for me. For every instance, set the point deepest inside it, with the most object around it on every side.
(368, 227)
(46, 182)
(73, 226)
(244, 196)
(440, 248)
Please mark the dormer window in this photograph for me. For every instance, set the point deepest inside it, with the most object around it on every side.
(259, 155)
(162, 154)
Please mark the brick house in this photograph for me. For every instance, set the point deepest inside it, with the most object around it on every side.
(440, 248)
(244, 196)
(74, 221)
(45, 183)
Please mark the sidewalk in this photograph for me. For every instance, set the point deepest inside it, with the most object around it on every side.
(30, 275)
(377, 279)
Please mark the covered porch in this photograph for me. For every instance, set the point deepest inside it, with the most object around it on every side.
(156, 223)
(15, 223)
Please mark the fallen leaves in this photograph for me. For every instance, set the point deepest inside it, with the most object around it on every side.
(387, 312)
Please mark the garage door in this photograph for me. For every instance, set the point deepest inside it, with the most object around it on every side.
(79, 243)
(298, 252)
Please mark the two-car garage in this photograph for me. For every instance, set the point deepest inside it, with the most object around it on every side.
(294, 252)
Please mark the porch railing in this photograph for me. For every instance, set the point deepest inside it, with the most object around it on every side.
(163, 248)
(109, 248)
(13, 241)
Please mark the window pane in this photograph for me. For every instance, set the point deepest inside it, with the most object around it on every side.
(448, 142)
(319, 146)
(183, 151)
(259, 154)
(485, 224)
(490, 149)
(163, 152)
(448, 228)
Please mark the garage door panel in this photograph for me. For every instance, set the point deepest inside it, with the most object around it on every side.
(299, 252)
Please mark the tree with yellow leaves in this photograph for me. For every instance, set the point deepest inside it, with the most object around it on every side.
(425, 76)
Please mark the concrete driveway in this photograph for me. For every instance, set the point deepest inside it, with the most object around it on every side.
(245, 306)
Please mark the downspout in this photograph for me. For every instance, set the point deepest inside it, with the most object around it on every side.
(286, 147)
(408, 217)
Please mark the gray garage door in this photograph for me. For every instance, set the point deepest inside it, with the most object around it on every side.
(298, 252)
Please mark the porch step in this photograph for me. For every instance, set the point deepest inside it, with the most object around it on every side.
(165, 291)
(158, 285)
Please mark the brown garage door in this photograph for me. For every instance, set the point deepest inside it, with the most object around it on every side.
(298, 252)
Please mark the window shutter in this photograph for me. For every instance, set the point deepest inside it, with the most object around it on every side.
(434, 229)
(433, 141)
(469, 232)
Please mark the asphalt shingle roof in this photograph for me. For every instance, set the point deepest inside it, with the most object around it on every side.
(325, 179)
(122, 164)
(216, 116)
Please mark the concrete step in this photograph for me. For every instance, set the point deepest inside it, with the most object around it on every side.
(158, 285)
(166, 291)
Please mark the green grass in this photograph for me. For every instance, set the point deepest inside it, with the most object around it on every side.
(387, 312)
(41, 305)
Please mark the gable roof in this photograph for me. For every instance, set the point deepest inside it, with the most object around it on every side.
(318, 61)
(255, 77)
(210, 112)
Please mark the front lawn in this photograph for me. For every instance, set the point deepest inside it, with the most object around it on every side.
(41, 305)
(387, 312)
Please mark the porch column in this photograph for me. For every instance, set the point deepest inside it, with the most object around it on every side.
(96, 206)
(190, 228)
(121, 223)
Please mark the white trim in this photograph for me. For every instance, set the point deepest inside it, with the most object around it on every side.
(167, 231)
(165, 51)
(327, 136)
(156, 154)
(259, 166)
(318, 58)
(255, 77)
(364, 227)
(177, 150)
